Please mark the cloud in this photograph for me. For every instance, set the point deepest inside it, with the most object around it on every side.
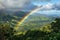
(50, 6)
(42, 0)
(1, 6)
(27, 4)
(57, 6)
(14, 3)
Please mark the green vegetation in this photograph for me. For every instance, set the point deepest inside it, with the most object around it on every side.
(36, 21)
(48, 32)
(31, 29)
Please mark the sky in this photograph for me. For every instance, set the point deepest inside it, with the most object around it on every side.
(22, 3)
(45, 2)
(28, 5)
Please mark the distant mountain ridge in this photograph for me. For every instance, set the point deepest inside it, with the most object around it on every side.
(14, 16)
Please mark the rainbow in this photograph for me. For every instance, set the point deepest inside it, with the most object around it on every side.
(25, 17)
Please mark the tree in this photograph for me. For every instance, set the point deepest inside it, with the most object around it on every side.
(6, 32)
(56, 25)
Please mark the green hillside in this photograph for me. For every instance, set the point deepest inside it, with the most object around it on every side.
(35, 21)
(35, 27)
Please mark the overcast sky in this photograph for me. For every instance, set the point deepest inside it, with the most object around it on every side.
(48, 4)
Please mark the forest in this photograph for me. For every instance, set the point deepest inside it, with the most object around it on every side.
(49, 32)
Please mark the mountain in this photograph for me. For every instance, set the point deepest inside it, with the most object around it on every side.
(54, 15)
(35, 21)
(11, 17)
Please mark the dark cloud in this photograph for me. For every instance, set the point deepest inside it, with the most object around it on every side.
(26, 4)
(13, 3)
(57, 6)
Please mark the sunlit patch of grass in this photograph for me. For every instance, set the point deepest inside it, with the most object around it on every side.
(15, 16)
(18, 33)
(46, 28)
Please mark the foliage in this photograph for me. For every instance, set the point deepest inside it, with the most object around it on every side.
(54, 34)
(6, 32)
(49, 32)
